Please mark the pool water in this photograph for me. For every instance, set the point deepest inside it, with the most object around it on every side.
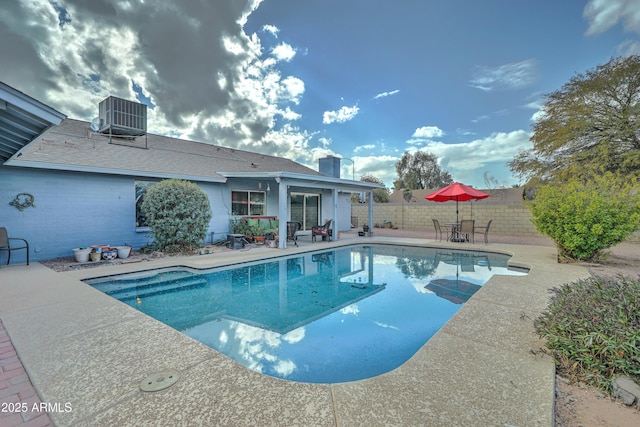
(320, 317)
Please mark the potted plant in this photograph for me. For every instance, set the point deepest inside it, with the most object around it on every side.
(81, 254)
(95, 255)
(123, 251)
(258, 233)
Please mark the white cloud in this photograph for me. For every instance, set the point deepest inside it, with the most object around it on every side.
(364, 147)
(605, 14)
(291, 89)
(385, 94)
(207, 79)
(481, 118)
(344, 114)
(504, 77)
(380, 166)
(283, 52)
(629, 47)
(272, 29)
(325, 142)
(289, 114)
(428, 132)
(465, 159)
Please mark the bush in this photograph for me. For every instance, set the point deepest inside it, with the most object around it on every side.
(585, 218)
(178, 213)
(592, 327)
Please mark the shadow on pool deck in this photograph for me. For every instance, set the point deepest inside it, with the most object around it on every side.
(82, 348)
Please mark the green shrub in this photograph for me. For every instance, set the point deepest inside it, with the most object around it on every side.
(592, 327)
(178, 213)
(585, 218)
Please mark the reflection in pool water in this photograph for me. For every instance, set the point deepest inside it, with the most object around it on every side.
(323, 317)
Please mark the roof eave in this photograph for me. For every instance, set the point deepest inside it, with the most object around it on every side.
(305, 178)
(111, 171)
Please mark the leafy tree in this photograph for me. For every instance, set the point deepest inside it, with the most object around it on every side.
(178, 213)
(588, 127)
(380, 195)
(420, 171)
(585, 218)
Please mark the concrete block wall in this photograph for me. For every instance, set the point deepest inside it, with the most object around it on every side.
(508, 218)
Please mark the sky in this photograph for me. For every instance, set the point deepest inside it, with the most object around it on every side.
(364, 80)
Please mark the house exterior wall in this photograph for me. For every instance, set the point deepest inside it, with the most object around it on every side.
(75, 209)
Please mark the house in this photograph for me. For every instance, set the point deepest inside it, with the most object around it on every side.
(85, 179)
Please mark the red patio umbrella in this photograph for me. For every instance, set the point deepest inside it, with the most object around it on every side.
(458, 192)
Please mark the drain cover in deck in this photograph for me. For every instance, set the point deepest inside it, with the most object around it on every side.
(160, 380)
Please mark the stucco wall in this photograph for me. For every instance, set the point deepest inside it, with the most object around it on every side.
(75, 209)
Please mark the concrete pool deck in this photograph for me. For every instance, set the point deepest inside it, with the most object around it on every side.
(86, 354)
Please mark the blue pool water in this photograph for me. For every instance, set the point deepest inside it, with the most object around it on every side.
(320, 317)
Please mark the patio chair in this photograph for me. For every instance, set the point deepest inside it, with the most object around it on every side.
(466, 230)
(439, 228)
(292, 228)
(321, 230)
(486, 231)
(5, 244)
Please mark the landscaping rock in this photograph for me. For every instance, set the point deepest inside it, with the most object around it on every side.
(625, 389)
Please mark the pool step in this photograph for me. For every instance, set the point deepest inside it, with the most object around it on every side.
(144, 287)
(145, 291)
(106, 285)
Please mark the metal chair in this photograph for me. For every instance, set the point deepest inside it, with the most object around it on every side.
(292, 228)
(439, 229)
(5, 244)
(466, 230)
(321, 230)
(486, 231)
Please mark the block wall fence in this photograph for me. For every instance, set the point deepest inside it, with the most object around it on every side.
(508, 217)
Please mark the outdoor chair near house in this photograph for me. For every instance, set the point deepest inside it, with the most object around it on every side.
(321, 230)
(466, 231)
(440, 228)
(485, 231)
(292, 228)
(5, 244)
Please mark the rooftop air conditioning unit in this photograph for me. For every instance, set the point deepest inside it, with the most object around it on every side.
(122, 117)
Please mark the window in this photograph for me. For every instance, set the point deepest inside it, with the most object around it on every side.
(248, 202)
(141, 190)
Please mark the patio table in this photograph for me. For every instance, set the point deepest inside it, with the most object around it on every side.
(455, 231)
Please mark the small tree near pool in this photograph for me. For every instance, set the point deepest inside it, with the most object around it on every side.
(585, 218)
(178, 213)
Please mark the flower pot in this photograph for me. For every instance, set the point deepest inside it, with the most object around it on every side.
(109, 254)
(95, 256)
(82, 254)
(123, 251)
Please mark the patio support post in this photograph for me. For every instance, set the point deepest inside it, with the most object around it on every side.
(334, 224)
(370, 214)
(283, 214)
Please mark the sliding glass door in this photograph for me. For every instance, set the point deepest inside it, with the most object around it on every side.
(305, 209)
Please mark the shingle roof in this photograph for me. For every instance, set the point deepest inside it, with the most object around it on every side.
(73, 145)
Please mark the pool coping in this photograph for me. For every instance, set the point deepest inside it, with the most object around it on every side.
(84, 349)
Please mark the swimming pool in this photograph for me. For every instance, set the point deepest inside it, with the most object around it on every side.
(322, 317)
